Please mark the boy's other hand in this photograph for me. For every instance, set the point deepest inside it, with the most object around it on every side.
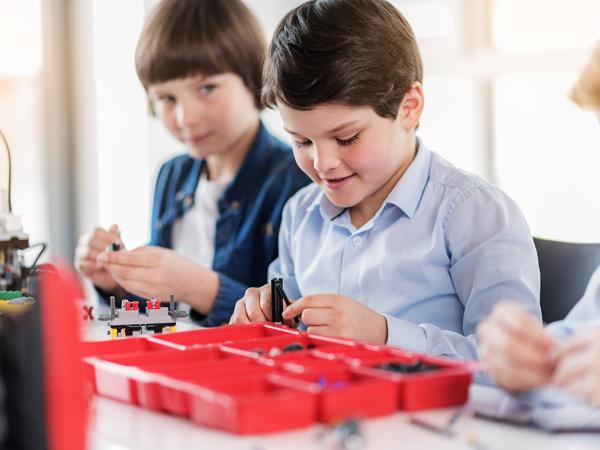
(255, 306)
(89, 247)
(150, 271)
(339, 316)
(515, 349)
(578, 365)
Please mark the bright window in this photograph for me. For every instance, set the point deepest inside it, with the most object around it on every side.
(545, 25)
(547, 155)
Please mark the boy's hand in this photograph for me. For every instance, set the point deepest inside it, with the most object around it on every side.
(515, 349)
(578, 366)
(336, 315)
(86, 254)
(150, 271)
(255, 306)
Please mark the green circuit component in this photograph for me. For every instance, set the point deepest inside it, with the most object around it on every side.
(10, 295)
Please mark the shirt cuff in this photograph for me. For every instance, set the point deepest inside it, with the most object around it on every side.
(405, 334)
(230, 291)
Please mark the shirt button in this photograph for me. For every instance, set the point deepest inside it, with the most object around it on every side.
(235, 204)
(356, 240)
(188, 201)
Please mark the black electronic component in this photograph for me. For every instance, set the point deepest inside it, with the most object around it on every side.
(278, 298)
(14, 273)
(415, 367)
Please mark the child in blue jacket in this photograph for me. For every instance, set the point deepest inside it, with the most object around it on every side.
(217, 208)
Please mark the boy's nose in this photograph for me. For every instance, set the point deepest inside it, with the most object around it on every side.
(187, 114)
(325, 158)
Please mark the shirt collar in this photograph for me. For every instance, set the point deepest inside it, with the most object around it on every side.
(408, 191)
(406, 195)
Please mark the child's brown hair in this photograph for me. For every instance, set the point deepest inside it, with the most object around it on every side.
(354, 52)
(188, 37)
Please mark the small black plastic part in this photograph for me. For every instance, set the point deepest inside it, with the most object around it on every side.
(294, 347)
(278, 298)
(415, 367)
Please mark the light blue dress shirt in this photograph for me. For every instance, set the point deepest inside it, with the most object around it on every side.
(442, 250)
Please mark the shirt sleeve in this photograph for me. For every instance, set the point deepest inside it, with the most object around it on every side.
(229, 292)
(492, 258)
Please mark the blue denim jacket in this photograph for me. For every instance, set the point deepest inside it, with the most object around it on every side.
(249, 216)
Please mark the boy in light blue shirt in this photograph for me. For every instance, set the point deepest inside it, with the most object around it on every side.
(392, 244)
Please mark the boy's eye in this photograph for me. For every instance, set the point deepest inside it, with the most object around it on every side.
(206, 89)
(166, 98)
(349, 141)
(301, 144)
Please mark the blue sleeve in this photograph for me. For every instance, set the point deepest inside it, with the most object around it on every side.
(157, 201)
(492, 258)
(229, 292)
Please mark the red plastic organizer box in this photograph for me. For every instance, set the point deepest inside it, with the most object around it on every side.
(239, 378)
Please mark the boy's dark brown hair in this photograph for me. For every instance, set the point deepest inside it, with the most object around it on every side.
(187, 37)
(354, 52)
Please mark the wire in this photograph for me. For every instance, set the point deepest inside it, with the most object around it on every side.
(37, 258)
(9, 171)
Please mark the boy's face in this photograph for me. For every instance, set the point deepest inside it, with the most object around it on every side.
(350, 151)
(208, 114)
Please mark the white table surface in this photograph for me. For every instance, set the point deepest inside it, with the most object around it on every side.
(119, 426)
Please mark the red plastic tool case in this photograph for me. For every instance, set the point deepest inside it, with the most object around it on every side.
(236, 378)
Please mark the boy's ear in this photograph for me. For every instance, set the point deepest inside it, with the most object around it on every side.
(411, 107)
(151, 110)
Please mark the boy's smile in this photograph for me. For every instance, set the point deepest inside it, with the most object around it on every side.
(338, 183)
(352, 153)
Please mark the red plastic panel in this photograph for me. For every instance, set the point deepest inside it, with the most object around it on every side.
(447, 386)
(235, 377)
(344, 394)
(252, 404)
(219, 335)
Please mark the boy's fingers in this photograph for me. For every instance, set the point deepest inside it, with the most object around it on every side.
(104, 235)
(90, 267)
(571, 366)
(265, 301)
(239, 315)
(308, 301)
(313, 317)
(500, 344)
(252, 305)
(577, 343)
(125, 258)
(130, 274)
(520, 379)
(520, 324)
